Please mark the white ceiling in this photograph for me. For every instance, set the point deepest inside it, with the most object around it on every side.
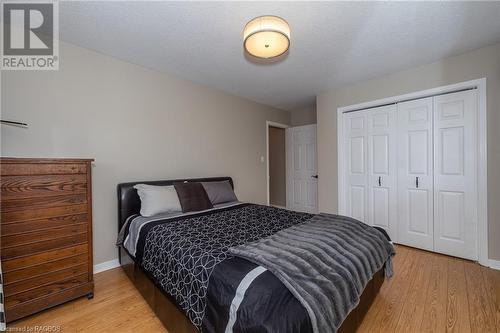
(332, 43)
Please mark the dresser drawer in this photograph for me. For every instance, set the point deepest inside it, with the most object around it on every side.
(56, 243)
(48, 278)
(20, 310)
(15, 187)
(45, 258)
(17, 227)
(36, 270)
(46, 290)
(43, 213)
(37, 236)
(43, 202)
(21, 169)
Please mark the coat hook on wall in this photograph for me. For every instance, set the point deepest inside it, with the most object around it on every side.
(13, 123)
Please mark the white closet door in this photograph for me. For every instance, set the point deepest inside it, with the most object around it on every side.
(455, 189)
(382, 168)
(356, 166)
(415, 173)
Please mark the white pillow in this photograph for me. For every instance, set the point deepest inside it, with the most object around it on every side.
(158, 199)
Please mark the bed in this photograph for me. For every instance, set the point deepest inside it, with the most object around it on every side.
(201, 271)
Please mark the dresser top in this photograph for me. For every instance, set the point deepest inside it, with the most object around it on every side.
(43, 160)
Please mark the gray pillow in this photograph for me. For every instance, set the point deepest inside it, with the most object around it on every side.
(219, 192)
(157, 199)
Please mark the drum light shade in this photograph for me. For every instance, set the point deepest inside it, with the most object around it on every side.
(266, 37)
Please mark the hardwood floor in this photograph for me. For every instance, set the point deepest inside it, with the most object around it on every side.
(116, 307)
(428, 293)
(436, 293)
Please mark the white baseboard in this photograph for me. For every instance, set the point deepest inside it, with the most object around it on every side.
(104, 266)
(495, 264)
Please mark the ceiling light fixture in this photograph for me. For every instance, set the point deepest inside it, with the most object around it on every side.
(266, 37)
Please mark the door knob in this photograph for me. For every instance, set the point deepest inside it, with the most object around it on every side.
(315, 176)
(379, 181)
(416, 181)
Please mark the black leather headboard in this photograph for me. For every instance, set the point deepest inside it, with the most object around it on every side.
(129, 202)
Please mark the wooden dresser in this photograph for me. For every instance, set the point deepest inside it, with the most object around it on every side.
(46, 233)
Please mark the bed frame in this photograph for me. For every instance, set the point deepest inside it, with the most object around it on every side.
(164, 307)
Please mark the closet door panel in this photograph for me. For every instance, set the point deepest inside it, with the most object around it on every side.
(415, 176)
(451, 215)
(357, 148)
(355, 143)
(381, 213)
(418, 151)
(380, 148)
(357, 199)
(455, 174)
(418, 212)
(382, 168)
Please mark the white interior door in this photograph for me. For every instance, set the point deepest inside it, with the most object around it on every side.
(382, 168)
(455, 186)
(415, 176)
(356, 164)
(302, 184)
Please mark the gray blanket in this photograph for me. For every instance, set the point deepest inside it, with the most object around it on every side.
(325, 262)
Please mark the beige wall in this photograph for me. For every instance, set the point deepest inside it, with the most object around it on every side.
(484, 62)
(138, 124)
(305, 116)
(277, 167)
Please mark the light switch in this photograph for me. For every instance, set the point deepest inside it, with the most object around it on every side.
(262, 159)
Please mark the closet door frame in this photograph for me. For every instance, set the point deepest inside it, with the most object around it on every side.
(482, 185)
